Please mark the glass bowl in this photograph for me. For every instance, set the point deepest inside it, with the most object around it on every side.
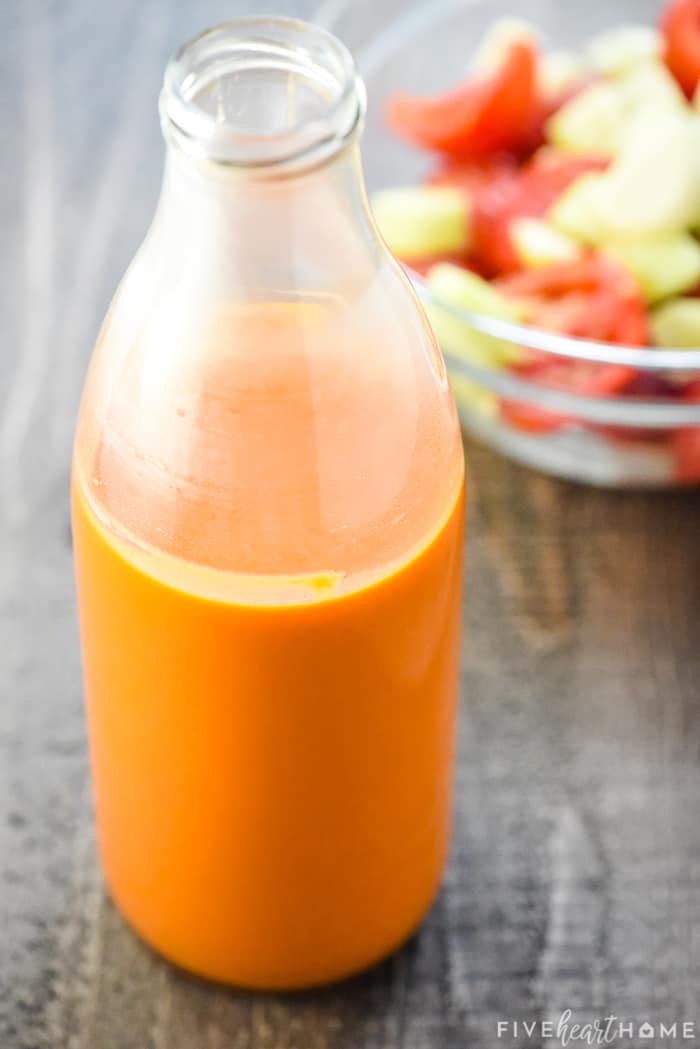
(638, 440)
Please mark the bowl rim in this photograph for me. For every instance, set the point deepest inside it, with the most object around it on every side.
(650, 359)
(651, 413)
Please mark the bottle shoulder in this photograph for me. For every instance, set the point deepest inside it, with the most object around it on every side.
(289, 434)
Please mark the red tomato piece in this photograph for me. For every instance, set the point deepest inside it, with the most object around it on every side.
(586, 378)
(550, 171)
(680, 25)
(593, 299)
(481, 116)
(492, 212)
(550, 282)
(531, 419)
(528, 193)
(589, 298)
(685, 443)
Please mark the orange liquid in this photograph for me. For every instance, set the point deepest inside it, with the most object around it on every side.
(271, 754)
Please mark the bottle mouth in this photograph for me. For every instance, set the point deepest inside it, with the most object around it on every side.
(262, 93)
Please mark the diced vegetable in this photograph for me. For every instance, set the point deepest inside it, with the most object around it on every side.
(529, 194)
(654, 185)
(417, 221)
(592, 120)
(558, 71)
(652, 188)
(681, 28)
(649, 86)
(676, 325)
(482, 116)
(623, 47)
(586, 378)
(663, 266)
(537, 243)
(466, 291)
(580, 210)
(597, 119)
(591, 298)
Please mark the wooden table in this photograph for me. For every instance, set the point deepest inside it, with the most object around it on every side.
(575, 874)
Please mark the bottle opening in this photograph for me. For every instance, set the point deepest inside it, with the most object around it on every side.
(262, 92)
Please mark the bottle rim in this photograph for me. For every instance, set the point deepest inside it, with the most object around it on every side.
(211, 81)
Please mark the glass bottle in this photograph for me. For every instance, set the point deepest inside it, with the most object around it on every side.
(268, 527)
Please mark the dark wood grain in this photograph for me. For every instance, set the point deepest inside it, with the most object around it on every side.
(575, 873)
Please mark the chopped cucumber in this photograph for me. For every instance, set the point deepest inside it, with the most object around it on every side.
(654, 185)
(597, 119)
(579, 212)
(540, 244)
(619, 49)
(559, 70)
(591, 122)
(503, 33)
(676, 324)
(652, 188)
(466, 291)
(649, 85)
(418, 221)
(662, 266)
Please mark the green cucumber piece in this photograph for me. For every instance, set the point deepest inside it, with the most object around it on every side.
(538, 243)
(597, 120)
(654, 185)
(619, 49)
(579, 212)
(591, 122)
(676, 325)
(418, 221)
(559, 70)
(466, 291)
(662, 266)
(649, 85)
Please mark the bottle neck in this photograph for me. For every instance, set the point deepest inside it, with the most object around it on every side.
(307, 232)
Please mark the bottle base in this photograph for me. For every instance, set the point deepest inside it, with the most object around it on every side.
(281, 983)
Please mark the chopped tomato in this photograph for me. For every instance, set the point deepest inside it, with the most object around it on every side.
(592, 299)
(481, 116)
(528, 193)
(685, 442)
(494, 208)
(550, 171)
(680, 25)
(586, 378)
(531, 419)
(589, 378)
(589, 298)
